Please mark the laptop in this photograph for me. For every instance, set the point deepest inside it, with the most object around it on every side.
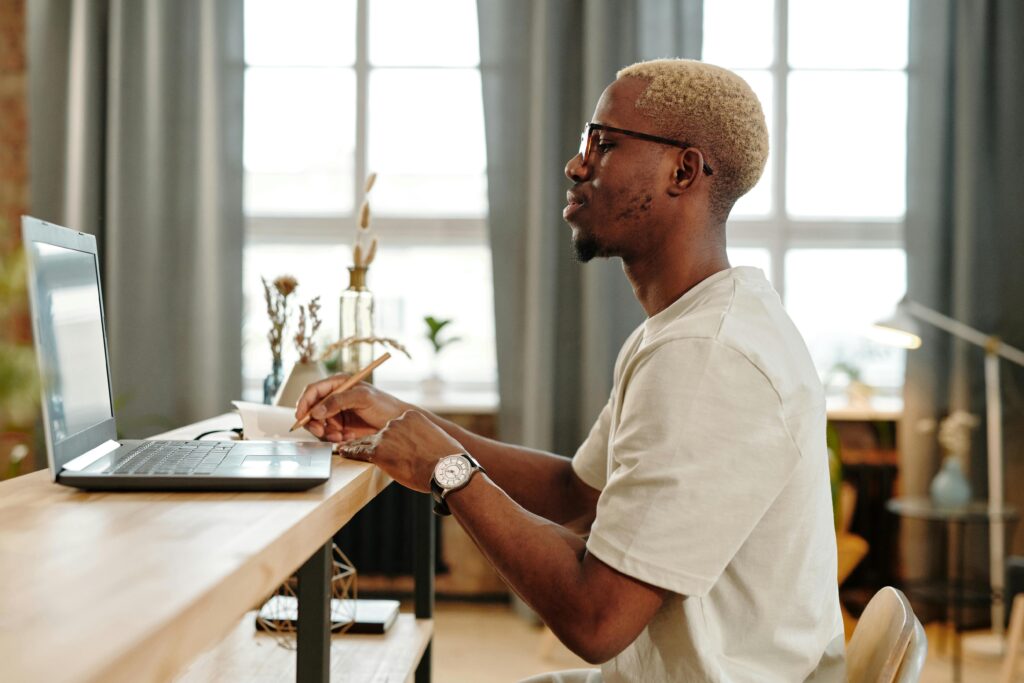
(81, 434)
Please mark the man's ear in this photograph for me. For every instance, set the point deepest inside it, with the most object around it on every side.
(686, 171)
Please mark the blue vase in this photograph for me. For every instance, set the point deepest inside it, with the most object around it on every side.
(272, 382)
(950, 488)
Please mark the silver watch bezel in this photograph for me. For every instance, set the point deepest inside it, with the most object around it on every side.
(470, 469)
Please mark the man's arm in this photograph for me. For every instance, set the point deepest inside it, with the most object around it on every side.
(595, 610)
(543, 483)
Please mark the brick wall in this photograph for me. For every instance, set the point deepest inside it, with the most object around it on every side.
(13, 121)
(17, 410)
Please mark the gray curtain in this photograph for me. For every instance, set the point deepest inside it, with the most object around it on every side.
(559, 324)
(965, 239)
(136, 137)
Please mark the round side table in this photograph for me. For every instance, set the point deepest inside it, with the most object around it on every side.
(953, 591)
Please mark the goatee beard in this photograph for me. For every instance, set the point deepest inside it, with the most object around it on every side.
(585, 248)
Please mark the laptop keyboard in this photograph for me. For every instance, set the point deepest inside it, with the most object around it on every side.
(173, 458)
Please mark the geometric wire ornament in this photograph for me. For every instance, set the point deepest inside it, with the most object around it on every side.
(279, 613)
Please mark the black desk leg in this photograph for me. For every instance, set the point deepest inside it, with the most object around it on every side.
(423, 568)
(313, 658)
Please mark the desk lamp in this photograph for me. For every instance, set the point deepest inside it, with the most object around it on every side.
(901, 330)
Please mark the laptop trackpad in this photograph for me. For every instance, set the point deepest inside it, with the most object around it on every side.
(272, 465)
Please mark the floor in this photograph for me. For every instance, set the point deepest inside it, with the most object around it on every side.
(489, 643)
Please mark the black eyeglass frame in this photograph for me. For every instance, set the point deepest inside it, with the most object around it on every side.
(592, 127)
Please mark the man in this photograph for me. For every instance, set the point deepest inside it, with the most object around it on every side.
(690, 538)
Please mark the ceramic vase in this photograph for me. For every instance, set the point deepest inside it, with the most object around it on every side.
(299, 377)
(950, 487)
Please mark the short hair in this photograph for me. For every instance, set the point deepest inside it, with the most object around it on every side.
(713, 109)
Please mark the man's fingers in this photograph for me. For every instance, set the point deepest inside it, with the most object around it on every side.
(317, 391)
(361, 449)
(336, 403)
(315, 428)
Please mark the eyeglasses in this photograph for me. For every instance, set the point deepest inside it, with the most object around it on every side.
(587, 144)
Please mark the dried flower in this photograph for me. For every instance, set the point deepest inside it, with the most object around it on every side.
(304, 343)
(371, 253)
(276, 297)
(364, 215)
(331, 350)
(955, 432)
(285, 284)
(365, 248)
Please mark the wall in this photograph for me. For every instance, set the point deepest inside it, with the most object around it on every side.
(13, 121)
(18, 389)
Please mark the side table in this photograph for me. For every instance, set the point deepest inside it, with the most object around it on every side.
(953, 591)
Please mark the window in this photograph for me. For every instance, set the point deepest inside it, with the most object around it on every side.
(826, 220)
(335, 89)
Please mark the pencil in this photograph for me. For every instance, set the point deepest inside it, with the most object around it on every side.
(348, 384)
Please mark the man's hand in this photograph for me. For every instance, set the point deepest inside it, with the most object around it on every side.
(407, 448)
(358, 412)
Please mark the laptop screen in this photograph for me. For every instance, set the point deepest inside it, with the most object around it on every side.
(70, 339)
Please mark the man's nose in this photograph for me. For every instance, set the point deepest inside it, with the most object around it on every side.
(576, 170)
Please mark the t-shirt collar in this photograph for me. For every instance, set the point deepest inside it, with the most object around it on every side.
(684, 303)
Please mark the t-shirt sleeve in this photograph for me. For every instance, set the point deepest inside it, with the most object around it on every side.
(591, 460)
(700, 452)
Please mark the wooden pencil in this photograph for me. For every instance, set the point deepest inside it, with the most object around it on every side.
(348, 384)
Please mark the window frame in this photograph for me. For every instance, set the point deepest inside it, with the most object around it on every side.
(779, 232)
(325, 229)
(315, 229)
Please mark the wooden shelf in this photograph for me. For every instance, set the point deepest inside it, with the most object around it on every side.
(248, 655)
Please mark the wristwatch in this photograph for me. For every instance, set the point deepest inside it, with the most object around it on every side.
(451, 473)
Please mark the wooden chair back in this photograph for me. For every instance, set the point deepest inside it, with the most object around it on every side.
(913, 660)
(880, 641)
(1014, 641)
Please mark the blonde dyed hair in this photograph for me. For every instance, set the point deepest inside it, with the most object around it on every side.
(712, 109)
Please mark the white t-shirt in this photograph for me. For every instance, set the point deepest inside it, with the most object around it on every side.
(711, 462)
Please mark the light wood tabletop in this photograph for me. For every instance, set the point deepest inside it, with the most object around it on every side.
(133, 586)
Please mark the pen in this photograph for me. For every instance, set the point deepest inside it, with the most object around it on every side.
(348, 384)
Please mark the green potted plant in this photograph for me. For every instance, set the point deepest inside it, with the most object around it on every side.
(433, 384)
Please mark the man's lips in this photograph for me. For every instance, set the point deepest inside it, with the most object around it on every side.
(574, 203)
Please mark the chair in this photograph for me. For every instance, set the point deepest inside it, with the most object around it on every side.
(889, 644)
(913, 660)
(1014, 640)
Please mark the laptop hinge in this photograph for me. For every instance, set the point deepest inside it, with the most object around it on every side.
(88, 458)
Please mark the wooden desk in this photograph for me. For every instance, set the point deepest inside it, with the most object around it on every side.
(133, 586)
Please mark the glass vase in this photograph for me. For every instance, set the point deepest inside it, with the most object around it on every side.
(356, 321)
(272, 382)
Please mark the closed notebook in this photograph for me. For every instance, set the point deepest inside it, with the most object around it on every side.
(371, 616)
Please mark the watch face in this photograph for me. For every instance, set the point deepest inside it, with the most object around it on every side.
(452, 471)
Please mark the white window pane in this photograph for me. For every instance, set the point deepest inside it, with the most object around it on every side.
(758, 202)
(739, 33)
(848, 34)
(408, 283)
(752, 256)
(417, 33)
(299, 140)
(846, 154)
(300, 32)
(426, 142)
(452, 282)
(834, 296)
